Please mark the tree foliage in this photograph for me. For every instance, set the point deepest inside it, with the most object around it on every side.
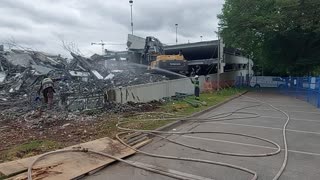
(281, 35)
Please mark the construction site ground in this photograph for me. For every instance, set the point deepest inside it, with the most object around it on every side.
(22, 139)
(54, 130)
(303, 134)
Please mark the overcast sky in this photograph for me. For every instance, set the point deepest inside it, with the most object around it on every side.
(41, 24)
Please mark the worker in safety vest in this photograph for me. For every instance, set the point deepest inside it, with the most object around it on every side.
(196, 87)
(47, 90)
(207, 85)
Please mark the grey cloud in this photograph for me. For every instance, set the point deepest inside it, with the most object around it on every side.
(14, 23)
(44, 13)
(42, 23)
(195, 18)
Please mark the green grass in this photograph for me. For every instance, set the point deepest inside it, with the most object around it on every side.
(177, 109)
(208, 99)
(29, 149)
(108, 128)
(146, 125)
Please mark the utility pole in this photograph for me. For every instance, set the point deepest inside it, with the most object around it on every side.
(248, 71)
(100, 44)
(219, 61)
(131, 3)
(176, 33)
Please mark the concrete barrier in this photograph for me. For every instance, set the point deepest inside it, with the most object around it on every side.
(158, 90)
(153, 91)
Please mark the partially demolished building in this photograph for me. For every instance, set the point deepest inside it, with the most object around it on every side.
(80, 83)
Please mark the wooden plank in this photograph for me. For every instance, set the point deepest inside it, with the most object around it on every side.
(12, 167)
(138, 145)
(73, 164)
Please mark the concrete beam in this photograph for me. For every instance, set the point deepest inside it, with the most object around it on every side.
(192, 45)
(203, 62)
(195, 51)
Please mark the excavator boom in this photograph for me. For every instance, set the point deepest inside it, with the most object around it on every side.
(156, 58)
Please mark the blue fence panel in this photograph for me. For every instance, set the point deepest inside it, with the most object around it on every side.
(304, 88)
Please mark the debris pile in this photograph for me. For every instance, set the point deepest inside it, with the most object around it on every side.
(19, 69)
(21, 72)
(79, 82)
(132, 107)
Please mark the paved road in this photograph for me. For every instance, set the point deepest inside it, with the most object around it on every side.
(303, 134)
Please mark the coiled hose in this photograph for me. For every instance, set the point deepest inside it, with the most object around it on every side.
(216, 117)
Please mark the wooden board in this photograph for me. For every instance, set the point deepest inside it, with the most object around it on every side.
(70, 165)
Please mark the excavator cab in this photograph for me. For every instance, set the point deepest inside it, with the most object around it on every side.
(157, 60)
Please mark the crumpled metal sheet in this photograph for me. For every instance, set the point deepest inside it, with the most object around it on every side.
(41, 69)
(79, 73)
(23, 59)
(110, 76)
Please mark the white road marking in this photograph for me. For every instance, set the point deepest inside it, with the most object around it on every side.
(265, 127)
(288, 106)
(311, 112)
(280, 105)
(265, 109)
(294, 119)
(252, 145)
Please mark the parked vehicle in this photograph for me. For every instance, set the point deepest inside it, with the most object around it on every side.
(267, 81)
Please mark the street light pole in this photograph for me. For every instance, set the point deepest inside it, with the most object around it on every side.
(248, 80)
(219, 61)
(176, 33)
(131, 3)
(201, 38)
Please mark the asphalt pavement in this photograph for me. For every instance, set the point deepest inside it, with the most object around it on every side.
(303, 138)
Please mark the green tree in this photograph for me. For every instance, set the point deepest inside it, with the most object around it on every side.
(283, 36)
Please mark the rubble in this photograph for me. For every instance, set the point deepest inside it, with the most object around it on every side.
(77, 81)
(3, 76)
(132, 107)
(80, 105)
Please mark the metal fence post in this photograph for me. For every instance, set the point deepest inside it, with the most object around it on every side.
(318, 103)
(309, 90)
(295, 82)
(287, 87)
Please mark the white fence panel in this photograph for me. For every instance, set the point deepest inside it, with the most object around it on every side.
(159, 90)
(153, 91)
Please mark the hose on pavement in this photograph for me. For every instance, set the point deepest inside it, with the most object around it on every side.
(227, 116)
(216, 117)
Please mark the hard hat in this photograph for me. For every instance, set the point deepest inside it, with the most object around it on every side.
(196, 76)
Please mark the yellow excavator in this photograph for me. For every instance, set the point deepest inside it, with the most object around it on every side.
(157, 60)
(175, 63)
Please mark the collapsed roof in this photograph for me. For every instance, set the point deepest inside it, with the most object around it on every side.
(22, 71)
